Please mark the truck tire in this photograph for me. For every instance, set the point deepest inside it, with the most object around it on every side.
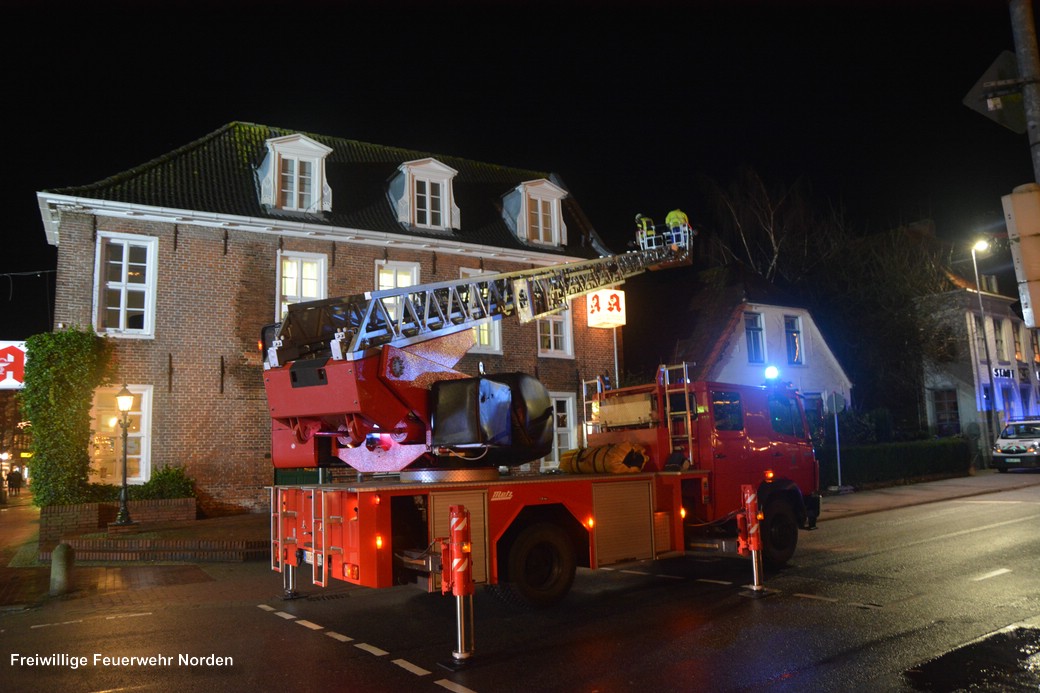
(541, 566)
(779, 533)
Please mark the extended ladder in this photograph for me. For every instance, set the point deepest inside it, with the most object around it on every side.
(346, 328)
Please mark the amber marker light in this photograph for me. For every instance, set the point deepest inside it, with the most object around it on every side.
(682, 513)
(769, 475)
(379, 541)
(590, 522)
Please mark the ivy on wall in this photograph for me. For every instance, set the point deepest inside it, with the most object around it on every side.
(62, 370)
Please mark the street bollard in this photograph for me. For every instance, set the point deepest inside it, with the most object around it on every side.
(62, 559)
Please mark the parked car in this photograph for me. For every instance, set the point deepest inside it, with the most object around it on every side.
(1018, 445)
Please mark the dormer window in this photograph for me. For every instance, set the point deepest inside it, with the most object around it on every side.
(292, 177)
(534, 211)
(423, 195)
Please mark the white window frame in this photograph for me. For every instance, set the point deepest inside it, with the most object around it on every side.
(409, 268)
(799, 359)
(125, 287)
(296, 149)
(568, 435)
(488, 335)
(108, 434)
(548, 198)
(760, 331)
(425, 173)
(281, 302)
(560, 327)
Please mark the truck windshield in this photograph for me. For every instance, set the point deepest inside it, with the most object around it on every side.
(1021, 430)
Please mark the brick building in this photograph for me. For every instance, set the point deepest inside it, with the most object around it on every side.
(182, 260)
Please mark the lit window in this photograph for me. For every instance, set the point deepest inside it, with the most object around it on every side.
(1019, 354)
(301, 277)
(756, 348)
(793, 337)
(554, 336)
(125, 284)
(488, 335)
(395, 275)
(106, 447)
(292, 176)
(999, 339)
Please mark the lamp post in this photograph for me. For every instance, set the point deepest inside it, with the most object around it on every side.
(982, 246)
(125, 402)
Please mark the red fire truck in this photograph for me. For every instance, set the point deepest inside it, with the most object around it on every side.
(368, 382)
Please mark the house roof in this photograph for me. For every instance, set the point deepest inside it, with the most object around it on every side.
(217, 174)
(715, 311)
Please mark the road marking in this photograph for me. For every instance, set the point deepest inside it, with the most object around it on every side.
(371, 649)
(62, 623)
(412, 668)
(861, 605)
(715, 582)
(338, 636)
(265, 607)
(309, 624)
(817, 597)
(672, 577)
(287, 617)
(991, 574)
(144, 613)
(452, 686)
(635, 572)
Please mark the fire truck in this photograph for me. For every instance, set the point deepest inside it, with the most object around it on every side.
(367, 383)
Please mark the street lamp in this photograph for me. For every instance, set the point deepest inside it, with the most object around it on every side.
(981, 246)
(125, 402)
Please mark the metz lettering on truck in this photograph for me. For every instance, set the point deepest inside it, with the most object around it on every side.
(502, 495)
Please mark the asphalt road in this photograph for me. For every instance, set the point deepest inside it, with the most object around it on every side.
(867, 599)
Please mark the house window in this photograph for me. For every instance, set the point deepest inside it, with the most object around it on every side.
(534, 211)
(756, 348)
(301, 277)
(947, 415)
(292, 175)
(554, 336)
(564, 427)
(296, 183)
(793, 336)
(1000, 339)
(488, 335)
(125, 271)
(429, 203)
(1017, 332)
(395, 275)
(106, 449)
(423, 195)
(980, 338)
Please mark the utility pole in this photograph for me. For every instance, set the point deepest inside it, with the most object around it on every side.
(1023, 28)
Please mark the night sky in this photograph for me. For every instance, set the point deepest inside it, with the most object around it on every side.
(631, 103)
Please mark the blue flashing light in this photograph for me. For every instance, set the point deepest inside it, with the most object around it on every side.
(772, 372)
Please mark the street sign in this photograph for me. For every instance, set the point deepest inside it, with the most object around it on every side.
(998, 94)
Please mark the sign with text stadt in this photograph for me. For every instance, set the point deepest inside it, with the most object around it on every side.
(12, 365)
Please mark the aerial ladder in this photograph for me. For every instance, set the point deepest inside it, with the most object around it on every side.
(369, 379)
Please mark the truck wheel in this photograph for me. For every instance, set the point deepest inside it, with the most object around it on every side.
(779, 533)
(541, 567)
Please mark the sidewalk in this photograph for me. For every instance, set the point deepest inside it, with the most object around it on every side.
(25, 583)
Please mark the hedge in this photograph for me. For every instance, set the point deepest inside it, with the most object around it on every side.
(889, 463)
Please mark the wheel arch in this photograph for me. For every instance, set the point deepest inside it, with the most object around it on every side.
(555, 514)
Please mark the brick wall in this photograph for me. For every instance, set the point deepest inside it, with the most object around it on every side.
(216, 289)
(59, 521)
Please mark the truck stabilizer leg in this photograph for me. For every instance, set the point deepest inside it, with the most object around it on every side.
(750, 538)
(457, 576)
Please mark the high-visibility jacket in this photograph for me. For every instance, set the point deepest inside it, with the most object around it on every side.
(676, 218)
